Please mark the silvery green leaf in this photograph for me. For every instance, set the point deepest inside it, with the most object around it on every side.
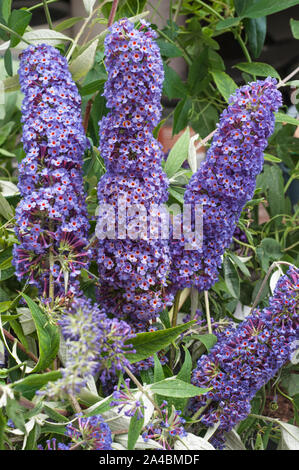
(274, 278)
(192, 442)
(81, 65)
(7, 188)
(89, 4)
(211, 431)
(289, 437)
(241, 311)
(140, 444)
(192, 157)
(26, 320)
(116, 421)
(117, 446)
(233, 441)
(295, 356)
(38, 36)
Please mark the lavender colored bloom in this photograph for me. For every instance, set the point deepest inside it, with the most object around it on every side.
(52, 444)
(247, 357)
(51, 218)
(92, 433)
(124, 398)
(95, 344)
(225, 181)
(132, 267)
(165, 429)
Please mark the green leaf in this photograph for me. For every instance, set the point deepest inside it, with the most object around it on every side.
(6, 210)
(173, 86)
(48, 336)
(33, 382)
(271, 158)
(266, 7)
(198, 71)
(239, 263)
(285, 118)
(158, 369)
(8, 62)
(258, 68)
(4, 306)
(66, 24)
(146, 344)
(227, 23)
(81, 65)
(224, 83)
(184, 375)
(178, 154)
(231, 278)
(92, 87)
(295, 28)
(208, 340)
(181, 115)
(167, 49)
(135, 429)
(5, 9)
(268, 250)
(15, 412)
(18, 22)
(256, 29)
(177, 388)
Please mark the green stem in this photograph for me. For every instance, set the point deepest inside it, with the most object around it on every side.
(207, 305)
(244, 48)
(2, 427)
(10, 31)
(211, 10)
(34, 7)
(47, 13)
(176, 308)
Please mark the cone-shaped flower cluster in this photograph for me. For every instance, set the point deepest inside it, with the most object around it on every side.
(134, 262)
(92, 433)
(51, 218)
(247, 357)
(225, 182)
(95, 344)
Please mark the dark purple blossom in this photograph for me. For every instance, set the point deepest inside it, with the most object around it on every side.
(51, 218)
(225, 181)
(247, 357)
(134, 262)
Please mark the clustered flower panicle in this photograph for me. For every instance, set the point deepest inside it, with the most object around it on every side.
(51, 216)
(225, 181)
(132, 268)
(95, 344)
(247, 357)
(164, 429)
(91, 433)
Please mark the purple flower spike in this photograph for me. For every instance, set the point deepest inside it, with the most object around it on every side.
(51, 216)
(226, 181)
(247, 357)
(132, 269)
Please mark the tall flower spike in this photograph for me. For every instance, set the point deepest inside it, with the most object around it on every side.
(134, 262)
(95, 345)
(51, 218)
(247, 357)
(226, 181)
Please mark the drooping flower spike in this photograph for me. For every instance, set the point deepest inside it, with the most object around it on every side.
(95, 344)
(51, 218)
(247, 357)
(224, 182)
(134, 262)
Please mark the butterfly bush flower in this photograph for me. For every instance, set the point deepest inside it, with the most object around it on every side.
(164, 429)
(92, 433)
(134, 262)
(124, 398)
(225, 181)
(247, 357)
(51, 218)
(94, 344)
